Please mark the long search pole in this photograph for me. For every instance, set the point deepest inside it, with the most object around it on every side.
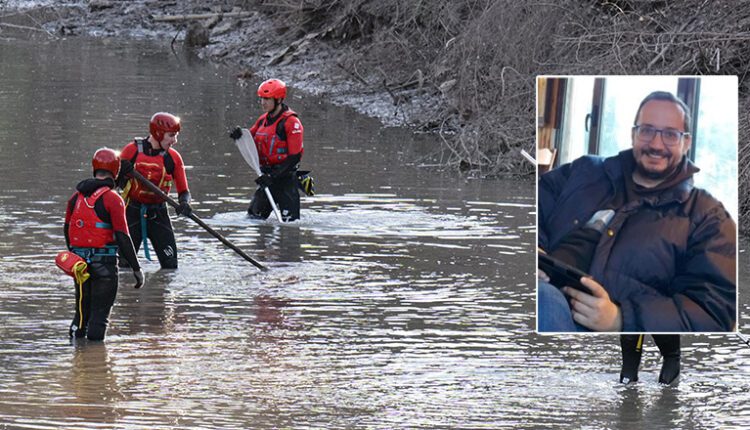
(151, 186)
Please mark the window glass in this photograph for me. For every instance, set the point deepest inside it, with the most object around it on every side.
(715, 139)
(622, 95)
(575, 138)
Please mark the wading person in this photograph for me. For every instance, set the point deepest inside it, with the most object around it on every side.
(632, 349)
(96, 229)
(663, 261)
(155, 159)
(278, 135)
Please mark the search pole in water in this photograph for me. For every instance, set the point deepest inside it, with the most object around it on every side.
(156, 190)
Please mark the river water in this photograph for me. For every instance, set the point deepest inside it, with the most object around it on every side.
(403, 298)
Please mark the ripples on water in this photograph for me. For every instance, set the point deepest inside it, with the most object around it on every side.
(353, 326)
(332, 339)
(401, 299)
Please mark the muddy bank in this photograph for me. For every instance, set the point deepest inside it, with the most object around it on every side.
(238, 34)
(462, 69)
(329, 53)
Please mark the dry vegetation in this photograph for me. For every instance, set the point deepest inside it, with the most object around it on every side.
(480, 56)
(468, 66)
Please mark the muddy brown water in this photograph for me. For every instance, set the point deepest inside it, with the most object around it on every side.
(403, 298)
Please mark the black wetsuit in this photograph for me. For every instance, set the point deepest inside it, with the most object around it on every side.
(96, 296)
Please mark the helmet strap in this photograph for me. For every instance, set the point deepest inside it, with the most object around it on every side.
(276, 104)
(152, 139)
(158, 143)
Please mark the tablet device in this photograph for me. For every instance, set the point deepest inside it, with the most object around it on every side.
(562, 274)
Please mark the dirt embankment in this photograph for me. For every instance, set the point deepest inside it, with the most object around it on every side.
(462, 68)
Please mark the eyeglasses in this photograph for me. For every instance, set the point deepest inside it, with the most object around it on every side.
(669, 136)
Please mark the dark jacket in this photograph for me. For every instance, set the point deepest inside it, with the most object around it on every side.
(668, 260)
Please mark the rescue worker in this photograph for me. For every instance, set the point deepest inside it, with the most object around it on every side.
(95, 229)
(278, 135)
(155, 159)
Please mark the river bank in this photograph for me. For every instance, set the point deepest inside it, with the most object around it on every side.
(245, 40)
(385, 64)
(464, 70)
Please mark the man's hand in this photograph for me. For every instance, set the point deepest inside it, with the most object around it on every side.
(184, 208)
(264, 180)
(236, 133)
(542, 275)
(126, 168)
(125, 173)
(596, 311)
(139, 278)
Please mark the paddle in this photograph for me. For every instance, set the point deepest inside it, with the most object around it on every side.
(151, 186)
(249, 152)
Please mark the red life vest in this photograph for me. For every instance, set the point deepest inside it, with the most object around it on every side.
(155, 168)
(86, 229)
(271, 143)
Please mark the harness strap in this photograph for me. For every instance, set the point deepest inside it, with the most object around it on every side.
(94, 196)
(92, 254)
(281, 128)
(144, 208)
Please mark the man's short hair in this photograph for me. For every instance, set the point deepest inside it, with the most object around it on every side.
(666, 96)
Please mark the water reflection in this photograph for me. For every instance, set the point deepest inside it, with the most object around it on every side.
(656, 409)
(281, 244)
(93, 384)
(148, 310)
(401, 299)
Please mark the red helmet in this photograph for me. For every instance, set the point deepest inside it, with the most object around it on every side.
(163, 122)
(106, 159)
(272, 89)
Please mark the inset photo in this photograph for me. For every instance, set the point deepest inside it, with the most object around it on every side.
(637, 204)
